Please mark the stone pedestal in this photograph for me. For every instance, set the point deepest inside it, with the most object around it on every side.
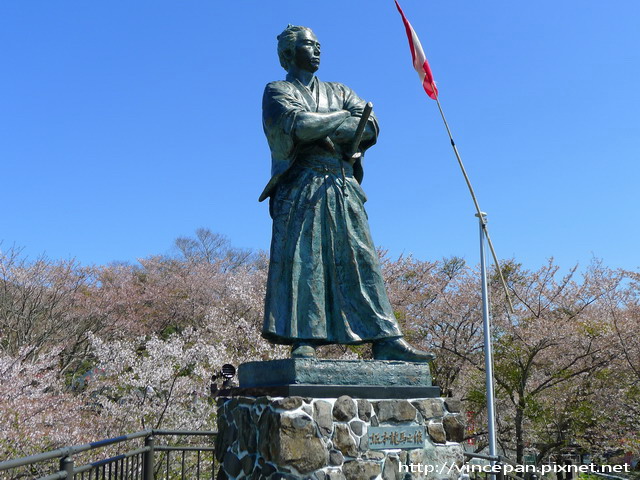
(345, 438)
(337, 430)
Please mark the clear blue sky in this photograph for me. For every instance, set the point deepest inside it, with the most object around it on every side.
(125, 124)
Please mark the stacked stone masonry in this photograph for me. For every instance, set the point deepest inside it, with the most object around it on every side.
(269, 438)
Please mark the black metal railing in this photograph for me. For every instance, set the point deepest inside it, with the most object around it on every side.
(499, 472)
(145, 458)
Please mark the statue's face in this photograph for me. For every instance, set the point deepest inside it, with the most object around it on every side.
(307, 53)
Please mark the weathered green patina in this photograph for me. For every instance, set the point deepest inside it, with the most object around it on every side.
(341, 372)
(325, 284)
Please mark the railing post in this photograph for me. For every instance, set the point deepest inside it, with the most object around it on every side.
(66, 466)
(148, 463)
(500, 474)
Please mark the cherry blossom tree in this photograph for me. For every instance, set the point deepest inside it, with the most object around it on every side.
(88, 352)
(37, 410)
(546, 355)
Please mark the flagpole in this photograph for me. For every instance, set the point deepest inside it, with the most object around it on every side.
(479, 212)
(421, 65)
(486, 319)
(488, 348)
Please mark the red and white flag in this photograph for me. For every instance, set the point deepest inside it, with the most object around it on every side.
(420, 62)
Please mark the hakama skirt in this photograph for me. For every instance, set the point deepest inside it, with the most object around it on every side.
(324, 284)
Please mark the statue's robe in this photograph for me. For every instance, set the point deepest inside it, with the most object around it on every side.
(325, 284)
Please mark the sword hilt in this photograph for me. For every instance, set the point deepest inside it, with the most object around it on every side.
(352, 153)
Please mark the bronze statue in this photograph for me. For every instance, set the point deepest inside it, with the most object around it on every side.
(325, 284)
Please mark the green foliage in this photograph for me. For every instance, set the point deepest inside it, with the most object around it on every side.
(169, 330)
(400, 315)
(477, 398)
(451, 267)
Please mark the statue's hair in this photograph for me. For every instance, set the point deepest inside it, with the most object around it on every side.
(287, 43)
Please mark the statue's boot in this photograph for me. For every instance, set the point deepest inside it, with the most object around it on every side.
(399, 349)
(303, 350)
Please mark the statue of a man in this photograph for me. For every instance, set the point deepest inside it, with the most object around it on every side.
(325, 284)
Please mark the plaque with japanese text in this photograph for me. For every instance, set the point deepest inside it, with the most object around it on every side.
(403, 437)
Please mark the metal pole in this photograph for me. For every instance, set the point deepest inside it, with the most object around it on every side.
(66, 465)
(488, 355)
(147, 463)
(479, 214)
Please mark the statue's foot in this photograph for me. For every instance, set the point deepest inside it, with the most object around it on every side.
(303, 350)
(399, 349)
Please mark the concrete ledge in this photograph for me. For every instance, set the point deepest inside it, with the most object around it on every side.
(294, 371)
(333, 391)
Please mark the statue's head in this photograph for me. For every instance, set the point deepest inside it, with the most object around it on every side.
(298, 46)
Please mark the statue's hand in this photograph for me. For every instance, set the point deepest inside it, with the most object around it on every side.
(346, 131)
